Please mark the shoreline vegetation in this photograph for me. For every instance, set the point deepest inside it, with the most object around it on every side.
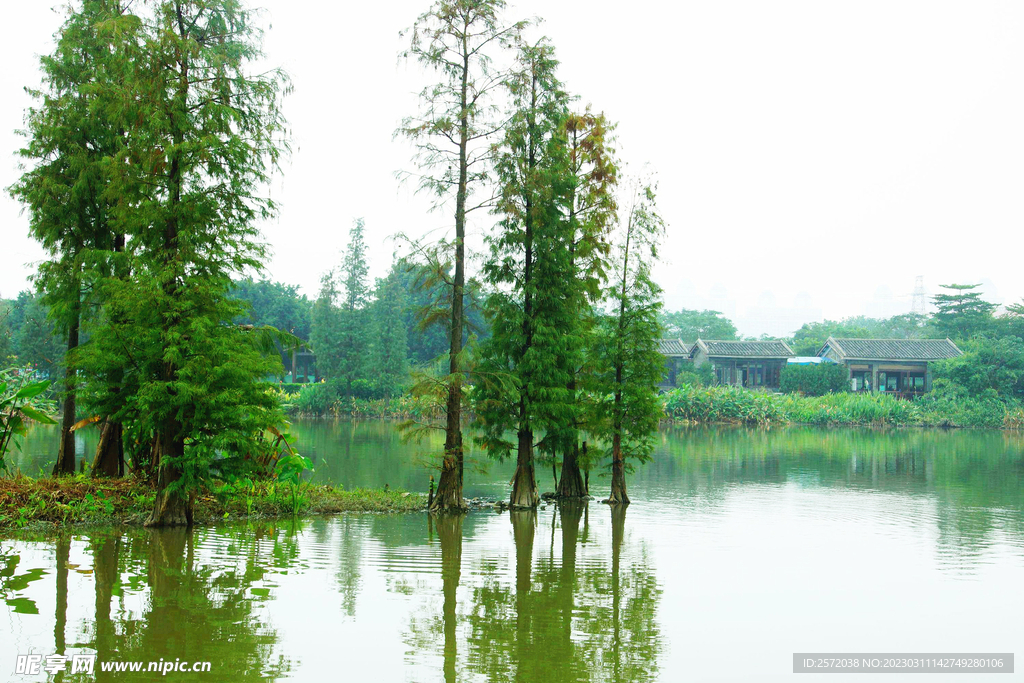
(731, 405)
(85, 501)
(710, 405)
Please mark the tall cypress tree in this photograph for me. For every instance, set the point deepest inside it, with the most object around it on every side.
(457, 40)
(626, 353)
(353, 333)
(204, 136)
(523, 379)
(591, 174)
(70, 137)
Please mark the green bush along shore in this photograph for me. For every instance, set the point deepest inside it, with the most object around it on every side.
(948, 405)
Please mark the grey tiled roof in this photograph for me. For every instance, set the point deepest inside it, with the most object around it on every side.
(674, 347)
(746, 349)
(893, 349)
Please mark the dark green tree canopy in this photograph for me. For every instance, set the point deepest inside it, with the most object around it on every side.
(691, 325)
(961, 313)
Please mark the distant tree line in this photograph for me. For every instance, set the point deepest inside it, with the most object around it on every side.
(991, 368)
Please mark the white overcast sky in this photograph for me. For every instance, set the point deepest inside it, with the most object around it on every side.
(814, 157)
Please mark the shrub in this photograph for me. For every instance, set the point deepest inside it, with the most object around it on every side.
(698, 377)
(315, 399)
(814, 380)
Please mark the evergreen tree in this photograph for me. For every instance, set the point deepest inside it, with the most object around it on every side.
(325, 327)
(590, 171)
(35, 343)
(353, 331)
(961, 313)
(70, 137)
(6, 339)
(203, 139)
(390, 347)
(627, 343)
(523, 374)
(457, 39)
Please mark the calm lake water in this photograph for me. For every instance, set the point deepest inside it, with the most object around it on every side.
(740, 548)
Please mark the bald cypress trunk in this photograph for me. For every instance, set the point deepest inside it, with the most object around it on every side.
(524, 483)
(109, 461)
(571, 485)
(66, 451)
(618, 493)
(172, 507)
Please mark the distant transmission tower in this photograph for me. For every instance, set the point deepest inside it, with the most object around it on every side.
(918, 302)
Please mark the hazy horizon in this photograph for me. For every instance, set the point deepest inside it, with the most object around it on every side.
(813, 159)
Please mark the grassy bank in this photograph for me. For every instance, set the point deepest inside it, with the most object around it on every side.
(80, 500)
(722, 404)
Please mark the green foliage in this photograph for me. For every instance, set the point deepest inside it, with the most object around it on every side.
(809, 339)
(342, 324)
(389, 346)
(698, 377)
(276, 304)
(199, 137)
(452, 133)
(315, 399)
(711, 404)
(814, 379)
(293, 470)
(987, 365)
(961, 313)
(951, 405)
(625, 354)
(522, 379)
(691, 325)
(35, 342)
(21, 400)
(851, 409)
(6, 338)
(948, 405)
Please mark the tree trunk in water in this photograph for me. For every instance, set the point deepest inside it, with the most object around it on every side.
(524, 523)
(618, 529)
(449, 531)
(60, 616)
(571, 484)
(449, 488)
(104, 561)
(570, 512)
(66, 451)
(109, 460)
(524, 484)
(618, 495)
(172, 507)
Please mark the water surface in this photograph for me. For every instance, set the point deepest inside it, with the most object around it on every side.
(741, 547)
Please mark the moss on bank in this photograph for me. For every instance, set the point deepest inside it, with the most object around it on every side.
(80, 500)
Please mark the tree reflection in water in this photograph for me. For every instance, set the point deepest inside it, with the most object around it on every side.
(553, 617)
